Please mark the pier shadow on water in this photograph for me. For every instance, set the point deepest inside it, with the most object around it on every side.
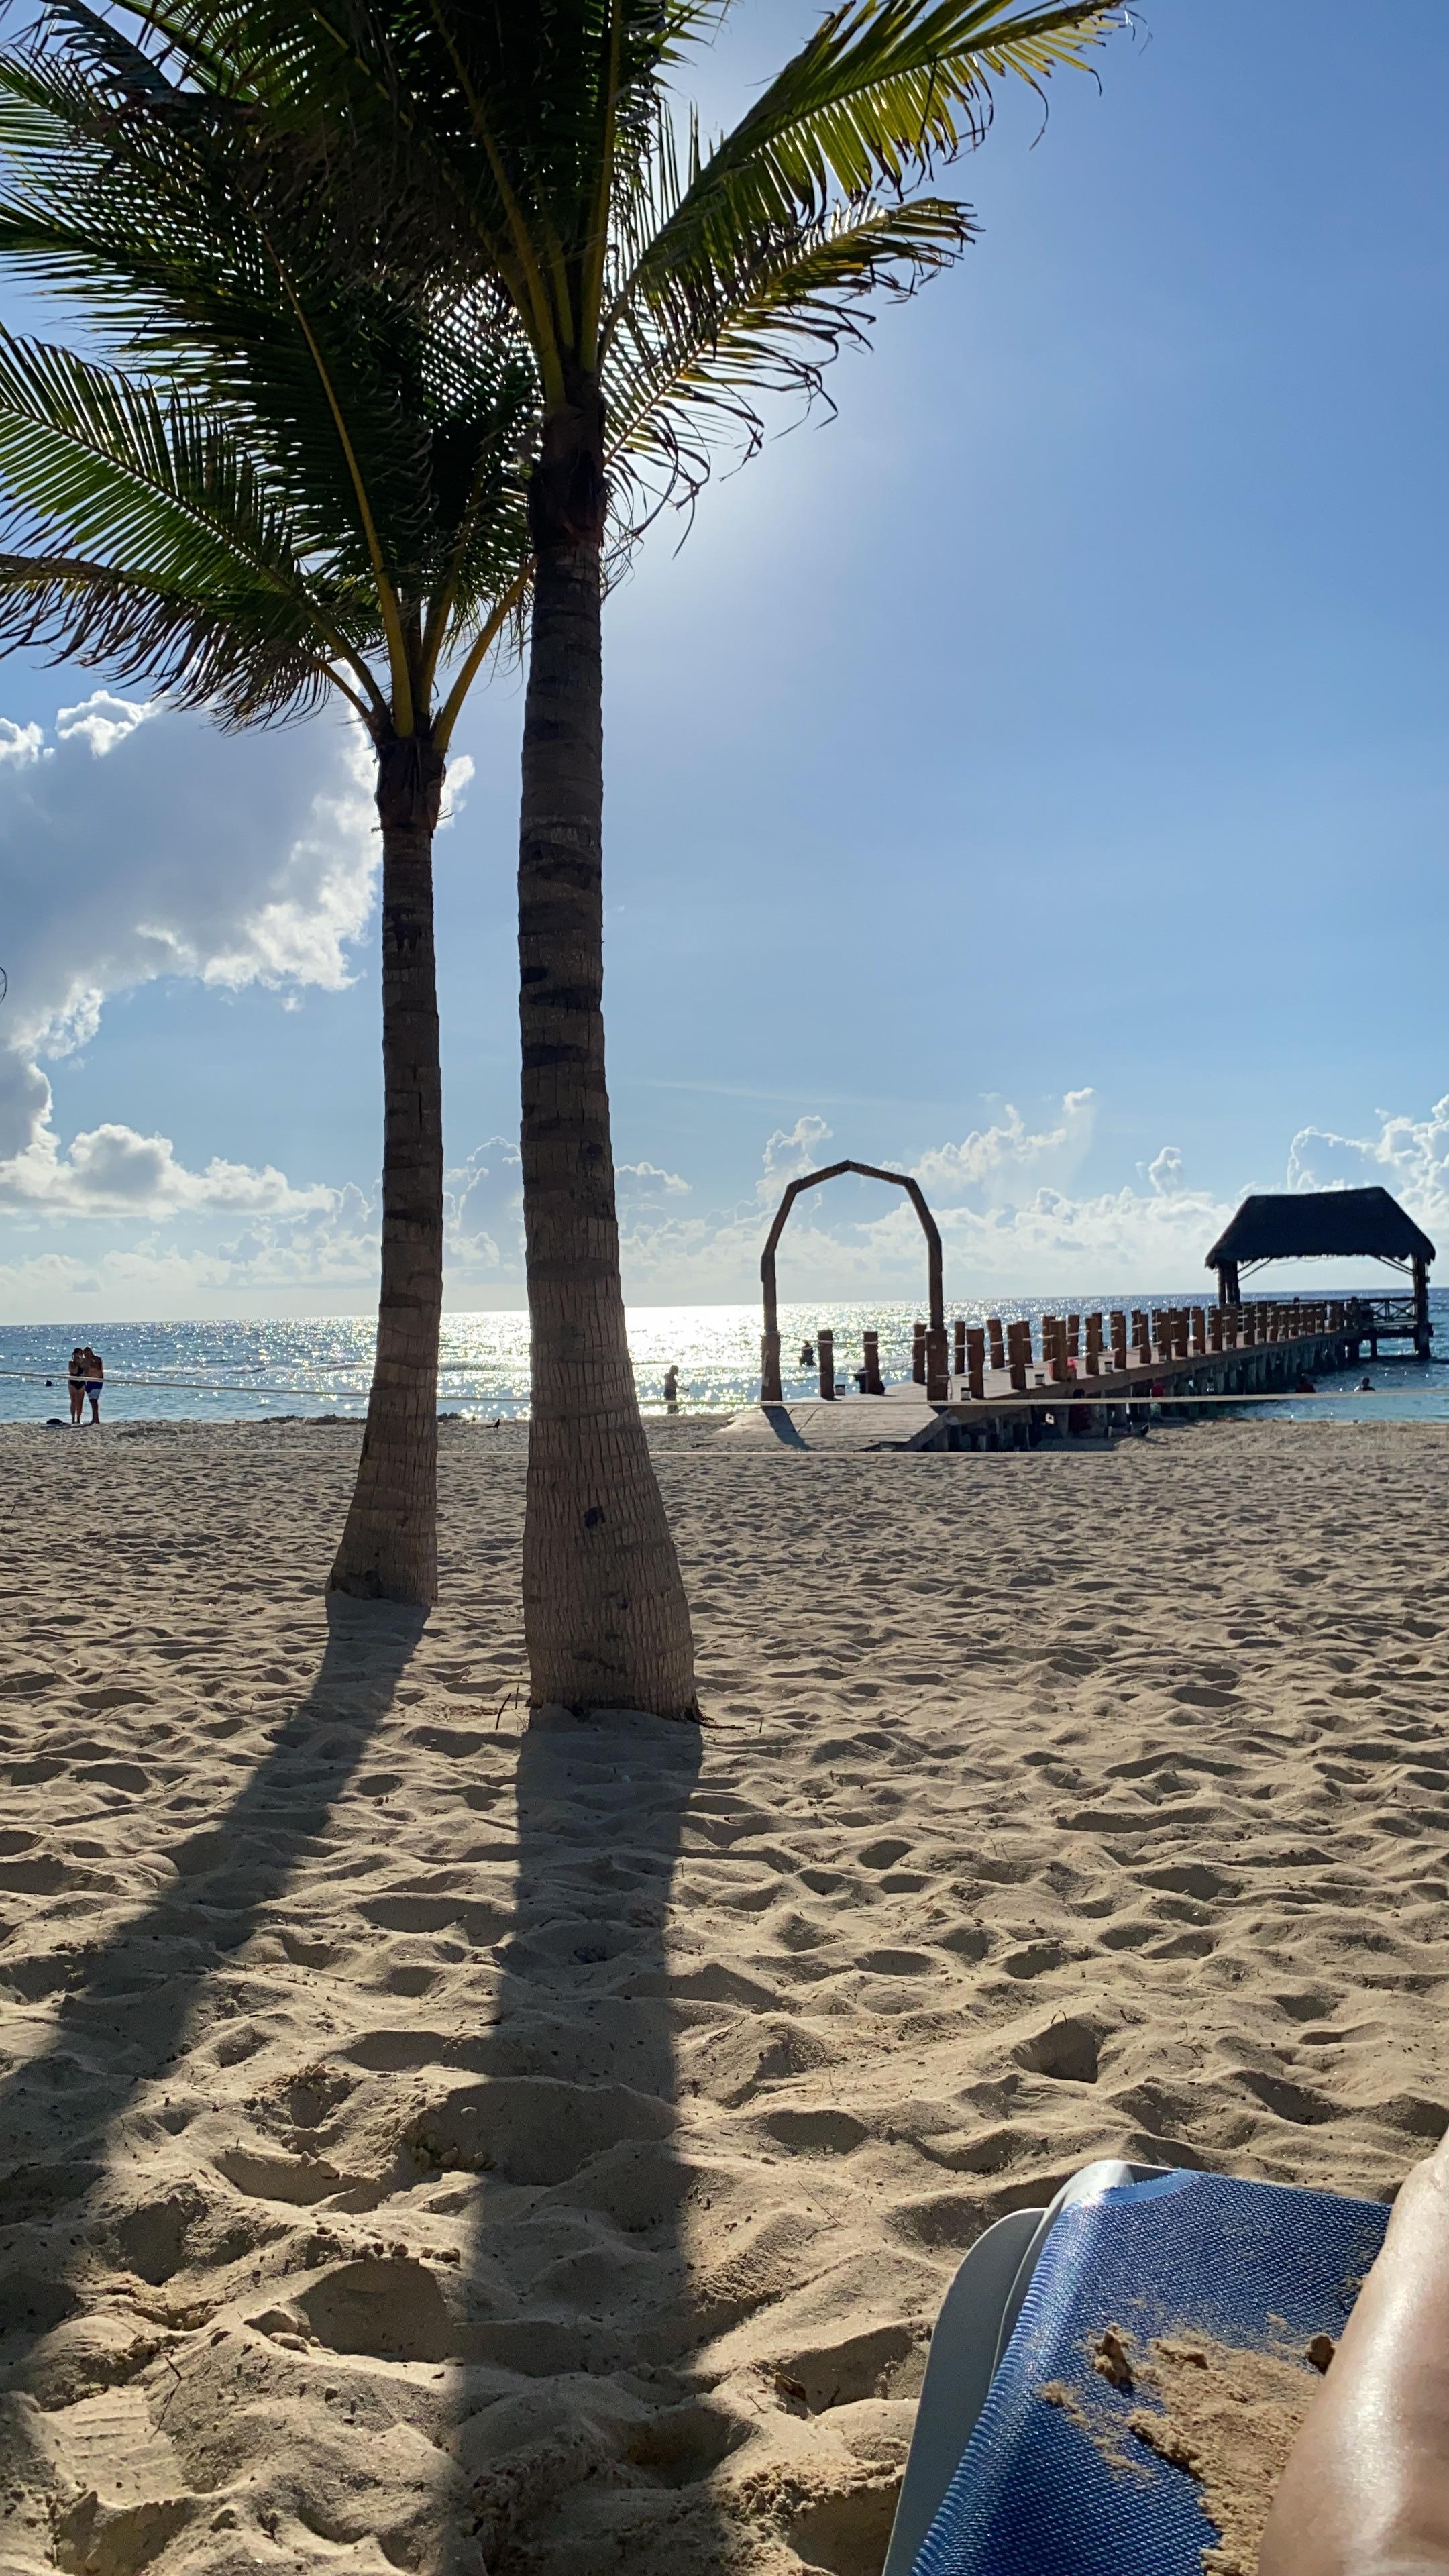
(581, 2443)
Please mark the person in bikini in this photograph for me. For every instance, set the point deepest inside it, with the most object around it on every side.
(77, 1383)
(93, 1381)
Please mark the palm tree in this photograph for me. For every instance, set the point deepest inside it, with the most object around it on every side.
(535, 165)
(662, 289)
(308, 483)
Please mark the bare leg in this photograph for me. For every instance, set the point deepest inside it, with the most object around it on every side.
(1366, 2491)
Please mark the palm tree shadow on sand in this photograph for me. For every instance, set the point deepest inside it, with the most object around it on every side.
(64, 2111)
(581, 2441)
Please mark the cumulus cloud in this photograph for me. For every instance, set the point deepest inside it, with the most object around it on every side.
(789, 1152)
(992, 1162)
(20, 745)
(112, 1171)
(1408, 1156)
(483, 1204)
(101, 721)
(644, 1182)
(136, 844)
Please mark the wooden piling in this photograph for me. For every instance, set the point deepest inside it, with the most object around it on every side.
(958, 1337)
(976, 1362)
(825, 1345)
(918, 1353)
(874, 1383)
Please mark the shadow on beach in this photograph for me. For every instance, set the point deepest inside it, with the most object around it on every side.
(128, 2003)
(578, 2434)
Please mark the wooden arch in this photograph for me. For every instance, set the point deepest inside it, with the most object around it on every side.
(770, 1388)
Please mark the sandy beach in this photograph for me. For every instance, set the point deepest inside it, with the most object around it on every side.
(430, 2143)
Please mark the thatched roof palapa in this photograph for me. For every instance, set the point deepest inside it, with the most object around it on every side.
(1310, 1225)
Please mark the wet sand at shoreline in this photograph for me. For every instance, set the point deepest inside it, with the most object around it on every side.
(431, 2143)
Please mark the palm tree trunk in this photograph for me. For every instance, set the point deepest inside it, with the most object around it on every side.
(605, 1617)
(389, 1549)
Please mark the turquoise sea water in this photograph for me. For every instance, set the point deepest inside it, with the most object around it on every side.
(320, 1364)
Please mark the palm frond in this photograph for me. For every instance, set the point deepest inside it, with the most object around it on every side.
(691, 362)
(233, 651)
(882, 91)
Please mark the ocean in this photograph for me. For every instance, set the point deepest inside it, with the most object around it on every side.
(219, 1372)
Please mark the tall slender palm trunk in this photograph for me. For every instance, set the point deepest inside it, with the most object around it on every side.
(389, 1549)
(605, 1617)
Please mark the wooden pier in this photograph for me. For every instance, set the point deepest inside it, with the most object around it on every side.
(1098, 1378)
(1084, 1380)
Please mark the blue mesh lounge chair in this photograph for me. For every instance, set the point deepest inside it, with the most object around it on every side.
(1001, 2482)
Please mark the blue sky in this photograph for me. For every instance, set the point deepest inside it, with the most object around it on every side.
(1035, 778)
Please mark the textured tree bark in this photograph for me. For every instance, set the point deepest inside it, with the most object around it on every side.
(389, 1549)
(605, 1616)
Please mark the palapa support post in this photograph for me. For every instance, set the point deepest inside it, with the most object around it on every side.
(771, 1391)
(1421, 1308)
(870, 1343)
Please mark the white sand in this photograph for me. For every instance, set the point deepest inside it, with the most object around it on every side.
(431, 2146)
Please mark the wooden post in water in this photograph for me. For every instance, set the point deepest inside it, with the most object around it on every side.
(874, 1384)
(825, 1344)
(938, 1383)
(976, 1361)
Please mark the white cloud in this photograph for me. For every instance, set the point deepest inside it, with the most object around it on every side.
(1165, 1171)
(101, 721)
(1408, 1156)
(462, 769)
(483, 1207)
(112, 1171)
(233, 862)
(21, 745)
(789, 1153)
(993, 1160)
(646, 1181)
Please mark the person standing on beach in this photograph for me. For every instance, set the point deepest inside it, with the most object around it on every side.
(77, 1383)
(94, 1380)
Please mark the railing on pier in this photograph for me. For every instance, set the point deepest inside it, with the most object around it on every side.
(1076, 1350)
